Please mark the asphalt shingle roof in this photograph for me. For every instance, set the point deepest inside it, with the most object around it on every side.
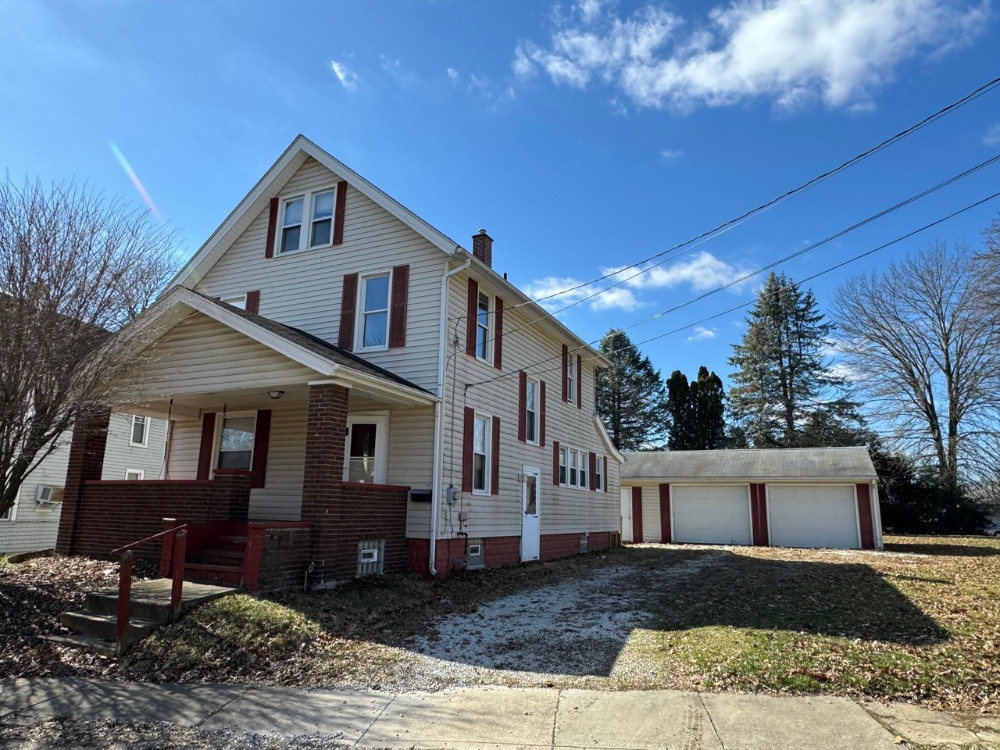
(751, 464)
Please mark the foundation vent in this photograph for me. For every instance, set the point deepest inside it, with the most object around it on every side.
(475, 554)
(371, 558)
(584, 543)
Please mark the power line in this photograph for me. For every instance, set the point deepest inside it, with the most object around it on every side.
(774, 264)
(711, 234)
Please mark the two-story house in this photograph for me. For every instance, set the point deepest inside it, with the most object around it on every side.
(349, 391)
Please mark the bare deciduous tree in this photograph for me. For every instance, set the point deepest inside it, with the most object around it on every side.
(929, 358)
(74, 268)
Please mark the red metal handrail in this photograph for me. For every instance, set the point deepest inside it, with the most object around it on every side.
(179, 541)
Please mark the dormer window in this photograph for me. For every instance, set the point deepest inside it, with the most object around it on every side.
(307, 221)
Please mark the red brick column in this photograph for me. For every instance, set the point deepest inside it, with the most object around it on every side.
(322, 483)
(86, 462)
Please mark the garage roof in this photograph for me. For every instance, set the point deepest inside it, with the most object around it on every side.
(838, 464)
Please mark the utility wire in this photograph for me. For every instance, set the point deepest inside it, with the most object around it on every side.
(784, 259)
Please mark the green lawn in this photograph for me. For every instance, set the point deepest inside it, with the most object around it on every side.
(919, 622)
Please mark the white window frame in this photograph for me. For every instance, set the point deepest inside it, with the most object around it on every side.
(145, 431)
(599, 472)
(140, 474)
(308, 219)
(236, 300)
(220, 424)
(573, 469)
(487, 421)
(381, 421)
(10, 515)
(536, 384)
(571, 375)
(488, 342)
(359, 325)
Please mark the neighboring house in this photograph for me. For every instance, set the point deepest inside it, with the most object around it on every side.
(792, 497)
(351, 392)
(134, 451)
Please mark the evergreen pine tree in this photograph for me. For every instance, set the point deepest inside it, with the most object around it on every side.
(782, 382)
(695, 411)
(630, 395)
(680, 415)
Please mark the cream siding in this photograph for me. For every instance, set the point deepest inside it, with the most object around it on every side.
(303, 289)
(182, 450)
(201, 355)
(561, 509)
(652, 529)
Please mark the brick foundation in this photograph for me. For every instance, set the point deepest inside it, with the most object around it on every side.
(499, 551)
(277, 556)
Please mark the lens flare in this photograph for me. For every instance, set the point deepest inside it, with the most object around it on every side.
(140, 188)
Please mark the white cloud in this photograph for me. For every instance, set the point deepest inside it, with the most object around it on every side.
(670, 154)
(555, 290)
(452, 74)
(700, 332)
(347, 77)
(992, 137)
(791, 51)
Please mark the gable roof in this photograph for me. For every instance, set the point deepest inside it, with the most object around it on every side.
(308, 350)
(273, 182)
(606, 439)
(839, 464)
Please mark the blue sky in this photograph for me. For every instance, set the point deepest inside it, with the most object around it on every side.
(583, 136)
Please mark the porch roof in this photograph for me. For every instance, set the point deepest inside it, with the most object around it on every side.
(328, 361)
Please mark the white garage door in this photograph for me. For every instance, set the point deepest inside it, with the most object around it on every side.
(711, 514)
(813, 515)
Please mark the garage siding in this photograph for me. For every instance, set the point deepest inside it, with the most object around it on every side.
(813, 515)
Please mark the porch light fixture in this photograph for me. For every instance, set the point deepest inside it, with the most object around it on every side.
(275, 394)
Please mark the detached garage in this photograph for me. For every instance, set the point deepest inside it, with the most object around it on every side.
(805, 497)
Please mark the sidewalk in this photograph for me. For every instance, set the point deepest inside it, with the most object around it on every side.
(496, 717)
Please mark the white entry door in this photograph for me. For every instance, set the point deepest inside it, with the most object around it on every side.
(530, 528)
(626, 514)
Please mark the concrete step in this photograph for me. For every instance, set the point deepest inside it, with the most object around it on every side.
(106, 603)
(105, 626)
(79, 640)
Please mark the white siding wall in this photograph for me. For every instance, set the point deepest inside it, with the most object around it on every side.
(34, 527)
(303, 289)
(561, 509)
(652, 529)
(119, 455)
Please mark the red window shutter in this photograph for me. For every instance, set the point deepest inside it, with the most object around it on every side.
(605, 459)
(579, 382)
(253, 301)
(522, 405)
(338, 213)
(348, 309)
(470, 321)
(498, 333)
(541, 413)
(495, 463)
(565, 362)
(261, 442)
(468, 429)
(555, 462)
(397, 315)
(207, 444)
(272, 226)
(593, 472)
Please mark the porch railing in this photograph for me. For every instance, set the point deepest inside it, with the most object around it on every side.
(177, 536)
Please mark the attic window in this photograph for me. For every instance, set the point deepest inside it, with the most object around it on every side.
(306, 221)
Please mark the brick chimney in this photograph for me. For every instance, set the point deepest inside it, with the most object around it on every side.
(482, 247)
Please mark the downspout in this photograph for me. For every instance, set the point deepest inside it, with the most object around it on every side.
(439, 416)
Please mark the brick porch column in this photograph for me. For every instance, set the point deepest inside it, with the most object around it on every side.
(322, 483)
(86, 461)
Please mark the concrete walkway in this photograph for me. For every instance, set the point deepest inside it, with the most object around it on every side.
(493, 717)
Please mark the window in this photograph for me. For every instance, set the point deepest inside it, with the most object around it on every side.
(135, 475)
(374, 328)
(139, 434)
(483, 327)
(8, 515)
(307, 221)
(599, 474)
(531, 410)
(481, 444)
(571, 380)
(237, 300)
(236, 443)
(573, 468)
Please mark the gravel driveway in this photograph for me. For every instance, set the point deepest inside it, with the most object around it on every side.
(574, 629)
